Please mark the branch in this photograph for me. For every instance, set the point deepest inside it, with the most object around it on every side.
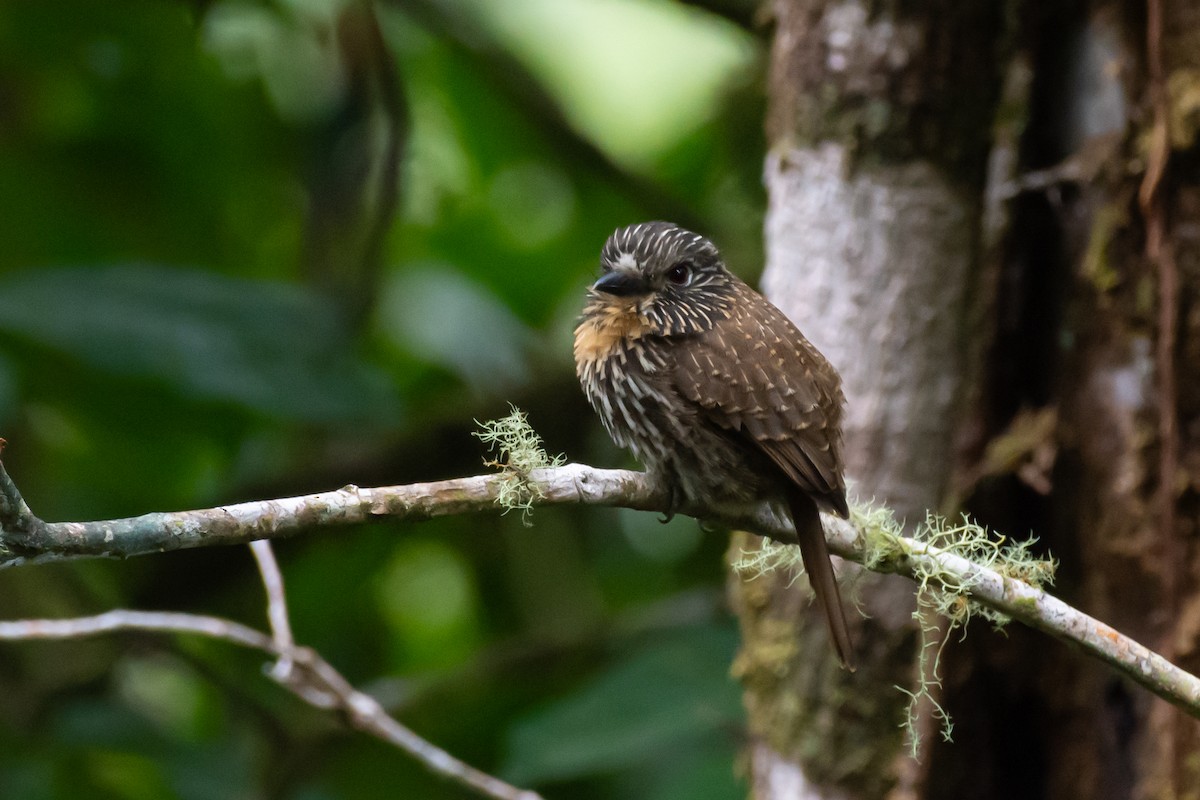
(147, 621)
(1045, 612)
(28, 539)
(14, 512)
(315, 681)
(299, 669)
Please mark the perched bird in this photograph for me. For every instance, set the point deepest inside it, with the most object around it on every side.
(715, 390)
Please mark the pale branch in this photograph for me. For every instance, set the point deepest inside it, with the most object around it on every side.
(299, 669)
(28, 539)
(277, 612)
(25, 538)
(1045, 612)
(146, 621)
(314, 679)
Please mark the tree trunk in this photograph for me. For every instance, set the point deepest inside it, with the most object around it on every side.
(1018, 337)
(879, 120)
(1098, 329)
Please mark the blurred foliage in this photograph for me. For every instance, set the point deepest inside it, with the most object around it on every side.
(212, 289)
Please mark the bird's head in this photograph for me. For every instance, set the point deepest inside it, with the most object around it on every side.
(674, 278)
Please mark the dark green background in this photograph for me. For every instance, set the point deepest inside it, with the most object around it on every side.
(169, 341)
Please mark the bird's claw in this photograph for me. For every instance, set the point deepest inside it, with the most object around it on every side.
(672, 506)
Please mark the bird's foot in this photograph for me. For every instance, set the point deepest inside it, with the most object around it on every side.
(672, 505)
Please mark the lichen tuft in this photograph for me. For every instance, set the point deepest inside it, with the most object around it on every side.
(519, 451)
(940, 592)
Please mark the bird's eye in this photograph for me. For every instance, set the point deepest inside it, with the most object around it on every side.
(680, 274)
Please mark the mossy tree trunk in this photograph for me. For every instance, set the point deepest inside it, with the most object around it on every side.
(986, 216)
(1098, 337)
(879, 123)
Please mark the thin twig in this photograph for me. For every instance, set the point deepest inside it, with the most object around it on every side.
(277, 610)
(15, 515)
(313, 679)
(149, 621)
(367, 715)
(318, 683)
(272, 578)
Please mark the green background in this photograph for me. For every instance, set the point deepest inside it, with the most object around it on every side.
(189, 318)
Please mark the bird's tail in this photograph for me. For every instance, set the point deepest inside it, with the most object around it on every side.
(815, 554)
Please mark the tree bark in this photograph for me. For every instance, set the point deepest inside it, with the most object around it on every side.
(1021, 339)
(878, 122)
(1101, 270)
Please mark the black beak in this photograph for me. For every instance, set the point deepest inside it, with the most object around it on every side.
(622, 283)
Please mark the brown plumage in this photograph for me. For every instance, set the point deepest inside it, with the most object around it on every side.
(714, 389)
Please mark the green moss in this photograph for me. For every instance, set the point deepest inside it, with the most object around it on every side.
(519, 452)
(939, 592)
(1096, 267)
(1183, 89)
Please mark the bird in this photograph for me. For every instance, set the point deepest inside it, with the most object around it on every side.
(715, 391)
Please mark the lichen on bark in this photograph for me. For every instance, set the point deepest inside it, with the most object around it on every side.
(879, 122)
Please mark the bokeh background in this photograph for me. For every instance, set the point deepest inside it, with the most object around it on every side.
(252, 249)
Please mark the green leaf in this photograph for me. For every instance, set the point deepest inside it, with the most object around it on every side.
(447, 319)
(129, 776)
(673, 690)
(705, 770)
(269, 347)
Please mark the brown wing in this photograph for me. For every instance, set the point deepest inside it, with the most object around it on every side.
(754, 372)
